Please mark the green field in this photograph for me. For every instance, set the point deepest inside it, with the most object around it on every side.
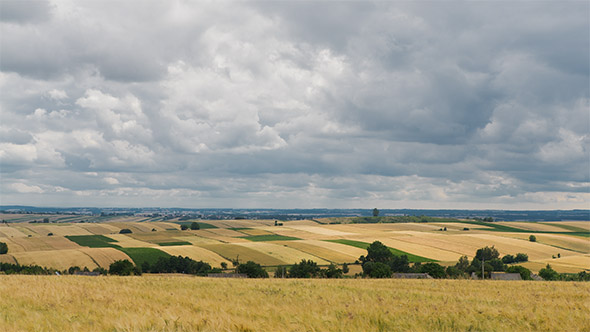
(93, 241)
(141, 255)
(176, 243)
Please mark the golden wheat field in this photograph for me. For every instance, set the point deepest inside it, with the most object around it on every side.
(176, 303)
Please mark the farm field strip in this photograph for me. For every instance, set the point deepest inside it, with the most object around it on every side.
(585, 225)
(57, 259)
(562, 241)
(59, 230)
(196, 253)
(197, 240)
(555, 264)
(128, 242)
(244, 254)
(581, 261)
(255, 231)
(99, 229)
(283, 253)
(332, 252)
(11, 231)
(104, 257)
(417, 249)
(507, 245)
(224, 232)
(531, 226)
(7, 258)
(163, 303)
(320, 230)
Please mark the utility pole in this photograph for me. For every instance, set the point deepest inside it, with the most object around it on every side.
(483, 262)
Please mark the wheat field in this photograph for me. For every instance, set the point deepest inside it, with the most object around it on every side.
(177, 303)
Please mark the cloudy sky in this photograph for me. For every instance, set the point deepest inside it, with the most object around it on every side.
(295, 104)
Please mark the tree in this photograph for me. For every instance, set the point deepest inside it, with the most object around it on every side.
(433, 269)
(345, 268)
(520, 257)
(487, 253)
(508, 259)
(533, 238)
(378, 252)
(123, 268)
(375, 212)
(377, 270)
(224, 265)
(125, 231)
(525, 273)
(183, 227)
(463, 263)
(332, 272)
(3, 248)
(454, 272)
(252, 270)
(195, 226)
(305, 269)
(281, 272)
(497, 264)
(548, 273)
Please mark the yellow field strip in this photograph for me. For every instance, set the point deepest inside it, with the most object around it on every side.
(7, 258)
(11, 231)
(532, 226)
(320, 230)
(196, 253)
(105, 256)
(416, 249)
(244, 254)
(197, 240)
(559, 240)
(128, 242)
(580, 224)
(57, 259)
(506, 245)
(329, 251)
(283, 253)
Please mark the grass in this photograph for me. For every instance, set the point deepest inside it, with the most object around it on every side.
(141, 255)
(365, 245)
(177, 243)
(270, 237)
(93, 241)
(175, 303)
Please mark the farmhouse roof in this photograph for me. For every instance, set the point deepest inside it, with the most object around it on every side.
(505, 276)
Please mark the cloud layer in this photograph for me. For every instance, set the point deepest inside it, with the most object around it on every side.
(295, 104)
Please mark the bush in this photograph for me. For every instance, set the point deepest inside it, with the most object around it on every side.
(345, 268)
(332, 272)
(183, 227)
(252, 270)
(433, 269)
(520, 257)
(125, 231)
(305, 269)
(3, 248)
(49, 234)
(508, 259)
(195, 226)
(377, 270)
(548, 273)
(454, 272)
(123, 268)
(525, 273)
(533, 238)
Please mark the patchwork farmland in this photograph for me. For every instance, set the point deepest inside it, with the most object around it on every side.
(88, 241)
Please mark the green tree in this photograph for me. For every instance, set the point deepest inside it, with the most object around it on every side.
(195, 226)
(454, 272)
(332, 272)
(345, 268)
(463, 263)
(548, 273)
(433, 269)
(525, 273)
(281, 272)
(508, 259)
(520, 257)
(377, 270)
(252, 270)
(375, 212)
(123, 268)
(305, 269)
(183, 227)
(125, 231)
(533, 238)
(487, 253)
(378, 252)
(3, 248)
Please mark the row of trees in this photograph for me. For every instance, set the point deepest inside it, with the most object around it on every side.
(3, 248)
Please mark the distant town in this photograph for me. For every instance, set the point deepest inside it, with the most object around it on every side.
(297, 214)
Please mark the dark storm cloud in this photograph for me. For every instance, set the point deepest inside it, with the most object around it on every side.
(295, 104)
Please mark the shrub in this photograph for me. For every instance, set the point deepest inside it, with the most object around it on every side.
(345, 268)
(49, 234)
(195, 226)
(508, 259)
(520, 257)
(252, 270)
(487, 253)
(433, 269)
(183, 227)
(525, 273)
(123, 268)
(305, 269)
(548, 273)
(377, 270)
(125, 231)
(454, 272)
(533, 238)
(332, 272)
(3, 248)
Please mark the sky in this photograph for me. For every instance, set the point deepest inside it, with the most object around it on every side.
(295, 104)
